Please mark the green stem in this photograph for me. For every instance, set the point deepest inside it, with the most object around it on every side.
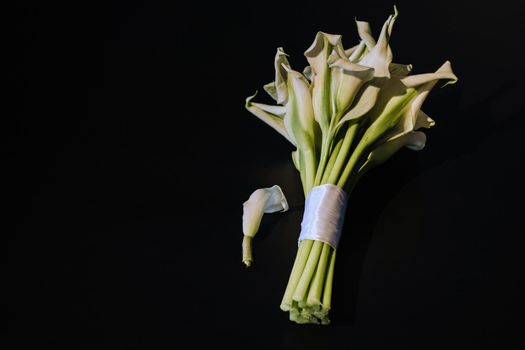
(315, 291)
(247, 250)
(354, 159)
(343, 154)
(331, 161)
(310, 167)
(328, 137)
(302, 172)
(322, 163)
(306, 276)
(297, 270)
(327, 293)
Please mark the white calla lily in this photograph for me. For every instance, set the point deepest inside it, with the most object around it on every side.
(261, 201)
(299, 121)
(317, 56)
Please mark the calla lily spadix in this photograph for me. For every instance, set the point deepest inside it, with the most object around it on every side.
(348, 111)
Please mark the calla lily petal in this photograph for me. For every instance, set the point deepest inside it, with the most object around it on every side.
(263, 200)
(299, 121)
(264, 113)
(444, 72)
(366, 100)
(414, 140)
(365, 33)
(296, 159)
(279, 111)
(277, 89)
(351, 50)
(359, 51)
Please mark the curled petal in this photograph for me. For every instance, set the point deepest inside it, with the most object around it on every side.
(444, 72)
(277, 89)
(365, 33)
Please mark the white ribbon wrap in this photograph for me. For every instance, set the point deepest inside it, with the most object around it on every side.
(324, 214)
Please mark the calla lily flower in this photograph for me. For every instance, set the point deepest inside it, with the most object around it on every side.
(317, 56)
(263, 200)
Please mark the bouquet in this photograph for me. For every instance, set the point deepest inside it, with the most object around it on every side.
(348, 111)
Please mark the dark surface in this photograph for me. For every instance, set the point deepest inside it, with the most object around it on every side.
(130, 154)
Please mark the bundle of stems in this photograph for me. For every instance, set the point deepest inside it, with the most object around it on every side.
(349, 111)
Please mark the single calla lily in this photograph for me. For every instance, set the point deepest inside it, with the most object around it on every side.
(299, 121)
(317, 56)
(261, 201)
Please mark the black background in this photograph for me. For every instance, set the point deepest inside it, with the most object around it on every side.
(130, 154)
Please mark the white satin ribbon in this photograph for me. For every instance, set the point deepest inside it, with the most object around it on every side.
(324, 214)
